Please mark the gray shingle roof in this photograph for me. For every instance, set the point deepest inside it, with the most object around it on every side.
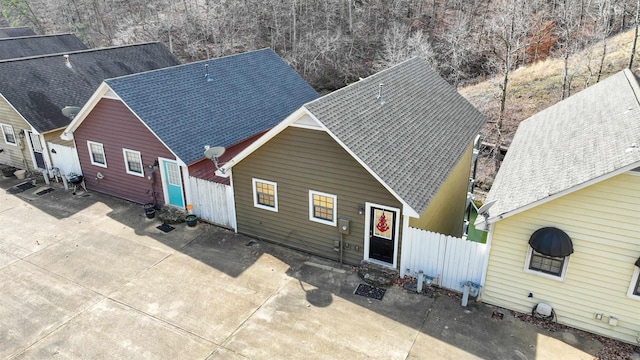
(415, 139)
(570, 143)
(17, 47)
(39, 87)
(16, 32)
(248, 93)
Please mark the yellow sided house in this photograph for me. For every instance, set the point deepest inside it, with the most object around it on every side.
(564, 214)
(345, 175)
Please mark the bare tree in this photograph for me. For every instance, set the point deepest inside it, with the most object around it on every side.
(568, 22)
(635, 36)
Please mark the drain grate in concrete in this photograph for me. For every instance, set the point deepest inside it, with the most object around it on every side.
(165, 228)
(45, 191)
(370, 291)
(20, 188)
(497, 315)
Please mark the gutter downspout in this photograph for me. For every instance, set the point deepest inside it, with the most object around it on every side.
(486, 261)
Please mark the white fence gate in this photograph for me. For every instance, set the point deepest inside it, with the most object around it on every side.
(64, 158)
(448, 259)
(213, 202)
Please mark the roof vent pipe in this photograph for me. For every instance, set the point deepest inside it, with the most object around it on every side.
(67, 63)
(379, 97)
(206, 72)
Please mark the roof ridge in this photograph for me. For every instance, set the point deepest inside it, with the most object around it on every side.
(77, 52)
(363, 80)
(15, 27)
(194, 63)
(633, 83)
(35, 36)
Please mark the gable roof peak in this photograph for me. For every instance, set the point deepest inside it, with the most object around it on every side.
(417, 126)
(585, 139)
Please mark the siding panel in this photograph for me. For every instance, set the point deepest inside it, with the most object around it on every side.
(299, 160)
(604, 222)
(113, 125)
(14, 155)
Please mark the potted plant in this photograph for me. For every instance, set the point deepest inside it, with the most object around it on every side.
(191, 220)
(149, 210)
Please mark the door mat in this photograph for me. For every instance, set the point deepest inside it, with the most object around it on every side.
(45, 191)
(370, 291)
(165, 228)
(20, 188)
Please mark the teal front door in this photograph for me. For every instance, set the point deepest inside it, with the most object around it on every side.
(172, 183)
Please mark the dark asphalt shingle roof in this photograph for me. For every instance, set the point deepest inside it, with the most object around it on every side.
(16, 32)
(39, 87)
(415, 139)
(577, 140)
(248, 93)
(17, 47)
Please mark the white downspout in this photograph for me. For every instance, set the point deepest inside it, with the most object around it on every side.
(486, 261)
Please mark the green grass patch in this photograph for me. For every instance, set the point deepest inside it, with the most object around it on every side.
(473, 233)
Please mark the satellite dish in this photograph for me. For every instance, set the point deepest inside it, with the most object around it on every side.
(213, 152)
(485, 208)
(70, 111)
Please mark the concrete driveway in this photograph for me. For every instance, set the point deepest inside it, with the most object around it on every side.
(89, 277)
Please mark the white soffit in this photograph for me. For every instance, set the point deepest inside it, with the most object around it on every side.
(111, 95)
(307, 122)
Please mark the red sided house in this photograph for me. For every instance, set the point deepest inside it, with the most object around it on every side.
(142, 136)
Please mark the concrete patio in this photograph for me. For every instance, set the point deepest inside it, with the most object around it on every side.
(89, 277)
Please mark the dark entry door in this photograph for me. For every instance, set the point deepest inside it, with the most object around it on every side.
(382, 233)
(36, 146)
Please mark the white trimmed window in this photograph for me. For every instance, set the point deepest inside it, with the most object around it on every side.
(547, 266)
(96, 154)
(265, 194)
(634, 287)
(133, 162)
(322, 207)
(9, 135)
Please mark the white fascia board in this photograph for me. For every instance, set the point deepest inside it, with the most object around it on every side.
(622, 170)
(263, 139)
(178, 160)
(86, 109)
(290, 120)
(104, 91)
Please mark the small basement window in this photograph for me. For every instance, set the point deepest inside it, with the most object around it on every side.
(96, 154)
(546, 264)
(322, 207)
(265, 194)
(9, 135)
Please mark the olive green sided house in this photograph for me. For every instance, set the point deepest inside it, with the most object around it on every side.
(345, 175)
(564, 213)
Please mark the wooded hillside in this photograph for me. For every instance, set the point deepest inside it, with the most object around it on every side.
(334, 42)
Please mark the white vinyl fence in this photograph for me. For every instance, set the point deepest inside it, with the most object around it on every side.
(448, 259)
(213, 202)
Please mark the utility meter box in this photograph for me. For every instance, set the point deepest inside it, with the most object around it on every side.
(344, 225)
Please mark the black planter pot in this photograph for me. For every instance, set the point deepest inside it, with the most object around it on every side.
(191, 220)
(148, 206)
(150, 213)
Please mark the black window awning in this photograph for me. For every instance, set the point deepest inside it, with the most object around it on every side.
(551, 241)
